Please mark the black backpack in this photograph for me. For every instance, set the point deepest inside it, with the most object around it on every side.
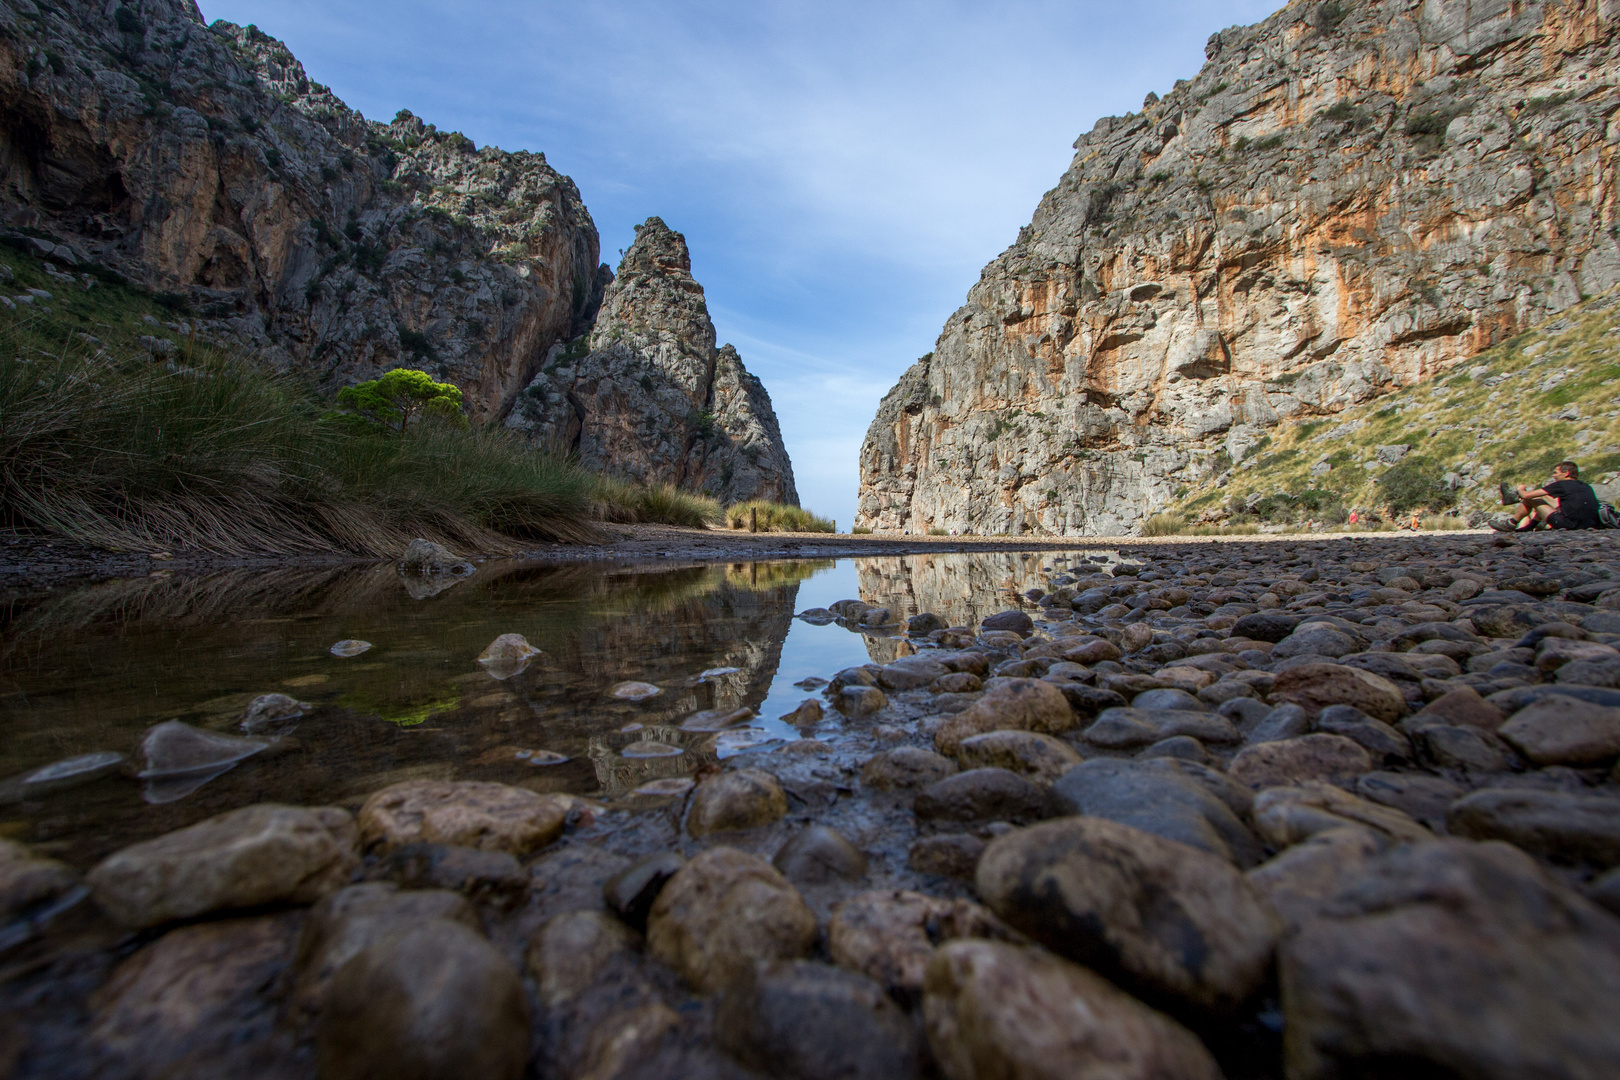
(1608, 516)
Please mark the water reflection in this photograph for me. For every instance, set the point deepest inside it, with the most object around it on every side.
(92, 671)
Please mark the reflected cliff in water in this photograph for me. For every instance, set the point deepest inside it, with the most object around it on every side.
(93, 669)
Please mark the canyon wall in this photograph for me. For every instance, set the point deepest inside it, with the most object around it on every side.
(202, 163)
(1347, 198)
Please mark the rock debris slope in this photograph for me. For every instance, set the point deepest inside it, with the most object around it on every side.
(203, 163)
(649, 397)
(1346, 199)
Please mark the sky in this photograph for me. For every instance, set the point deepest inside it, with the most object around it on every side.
(841, 170)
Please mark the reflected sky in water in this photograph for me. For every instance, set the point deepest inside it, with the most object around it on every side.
(93, 670)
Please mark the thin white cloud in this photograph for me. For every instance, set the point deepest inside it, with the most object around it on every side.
(842, 170)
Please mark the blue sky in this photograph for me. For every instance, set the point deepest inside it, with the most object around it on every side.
(842, 171)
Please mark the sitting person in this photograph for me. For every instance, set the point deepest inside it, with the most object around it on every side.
(1566, 503)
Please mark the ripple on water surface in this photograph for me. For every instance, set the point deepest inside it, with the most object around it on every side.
(623, 657)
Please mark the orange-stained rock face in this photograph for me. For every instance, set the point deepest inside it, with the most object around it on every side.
(1324, 212)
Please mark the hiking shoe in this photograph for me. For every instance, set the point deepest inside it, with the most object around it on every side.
(1503, 523)
(1510, 494)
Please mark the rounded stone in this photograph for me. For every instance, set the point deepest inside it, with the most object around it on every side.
(905, 767)
(996, 1010)
(1042, 758)
(948, 855)
(743, 799)
(259, 854)
(816, 855)
(1167, 922)
(981, 795)
(1013, 620)
(1008, 705)
(433, 1001)
(630, 893)
(570, 952)
(1315, 686)
(493, 817)
(724, 911)
(1286, 762)
(889, 935)
(807, 1021)
(1561, 826)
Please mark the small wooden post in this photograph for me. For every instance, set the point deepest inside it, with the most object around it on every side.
(753, 519)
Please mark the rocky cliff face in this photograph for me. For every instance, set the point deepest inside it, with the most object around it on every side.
(202, 162)
(1349, 197)
(648, 396)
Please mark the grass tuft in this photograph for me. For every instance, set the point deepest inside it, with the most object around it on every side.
(776, 517)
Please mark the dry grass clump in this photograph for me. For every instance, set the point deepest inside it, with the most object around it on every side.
(631, 504)
(775, 517)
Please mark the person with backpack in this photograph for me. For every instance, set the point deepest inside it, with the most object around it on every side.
(1565, 503)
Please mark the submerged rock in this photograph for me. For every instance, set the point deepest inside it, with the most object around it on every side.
(349, 647)
(507, 655)
(634, 691)
(180, 758)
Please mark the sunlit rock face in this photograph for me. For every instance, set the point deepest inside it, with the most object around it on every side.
(649, 397)
(202, 162)
(1347, 198)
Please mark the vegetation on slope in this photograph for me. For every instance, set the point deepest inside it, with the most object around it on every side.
(765, 516)
(121, 429)
(1438, 448)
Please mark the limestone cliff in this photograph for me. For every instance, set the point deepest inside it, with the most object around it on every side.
(202, 162)
(648, 396)
(1348, 198)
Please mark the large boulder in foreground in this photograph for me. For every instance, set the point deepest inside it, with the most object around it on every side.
(1005, 1011)
(1174, 925)
(1453, 959)
(262, 854)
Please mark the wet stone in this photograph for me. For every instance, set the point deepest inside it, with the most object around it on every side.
(817, 854)
(630, 893)
(995, 1010)
(1380, 740)
(1462, 707)
(910, 674)
(1561, 826)
(1453, 959)
(1423, 798)
(801, 1020)
(351, 919)
(1284, 816)
(1041, 758)
(1183, 747)
(859, 701)
(382, 1020)
(743, 799)
(1280, 722)
(256, 855)
(1169, 923)
(985, 794)
(1465, 749)
(571, 952)
(1568, 732)
(890, 935)
(957, 682)
(1009, 705)
(948, 855)
(491, 817)
(722, 912)
(1157, 797)
(27, 879)
(199, 1001)
(1315, 686)
(493, 878)
(1016, 621)
(906, 767)
(808, 714)
(1310, 757)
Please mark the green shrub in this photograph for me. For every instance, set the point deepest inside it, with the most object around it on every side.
(860, 530)
(658, 504)
(1415, 484)
(937, 531)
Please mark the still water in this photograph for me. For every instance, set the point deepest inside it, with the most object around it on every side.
(94, 669)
